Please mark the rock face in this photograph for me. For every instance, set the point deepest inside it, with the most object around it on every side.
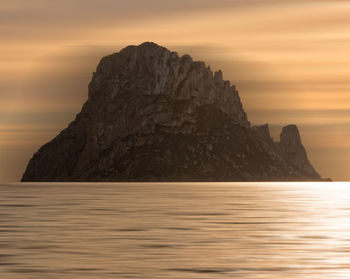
(292, 149)
(263, 132)
(154, 116)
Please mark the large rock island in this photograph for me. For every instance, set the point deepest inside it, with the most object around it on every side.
(154, 116)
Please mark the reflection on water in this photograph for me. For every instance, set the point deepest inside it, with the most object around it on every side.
(175, 230)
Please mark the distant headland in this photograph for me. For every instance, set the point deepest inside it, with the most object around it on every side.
(152, 115)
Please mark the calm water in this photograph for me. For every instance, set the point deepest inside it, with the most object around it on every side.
(175, 230)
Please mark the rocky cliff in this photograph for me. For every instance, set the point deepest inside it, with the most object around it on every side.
(154, 116)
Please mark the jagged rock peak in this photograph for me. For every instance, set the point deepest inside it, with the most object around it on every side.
(290, 136)
(263, 132)
(152, 115)
(291, 147)
(150, 70)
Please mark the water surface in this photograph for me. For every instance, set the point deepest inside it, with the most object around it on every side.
(175, 230)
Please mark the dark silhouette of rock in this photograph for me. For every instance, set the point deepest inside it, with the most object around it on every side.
(291, 148)
(263, 132)
(154, 116)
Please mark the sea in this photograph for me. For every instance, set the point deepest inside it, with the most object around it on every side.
(175, 230)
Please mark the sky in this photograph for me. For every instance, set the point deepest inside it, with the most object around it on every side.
(289, 60)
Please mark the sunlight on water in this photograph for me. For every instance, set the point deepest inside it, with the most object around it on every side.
(175, 230)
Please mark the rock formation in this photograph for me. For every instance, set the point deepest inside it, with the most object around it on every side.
(154, 116)
(291, 148)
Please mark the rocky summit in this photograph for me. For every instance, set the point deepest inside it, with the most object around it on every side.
(153, 115)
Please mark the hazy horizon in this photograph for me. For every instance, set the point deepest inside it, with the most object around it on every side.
(288, 60)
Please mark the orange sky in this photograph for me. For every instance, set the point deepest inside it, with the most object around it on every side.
(289, 59)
